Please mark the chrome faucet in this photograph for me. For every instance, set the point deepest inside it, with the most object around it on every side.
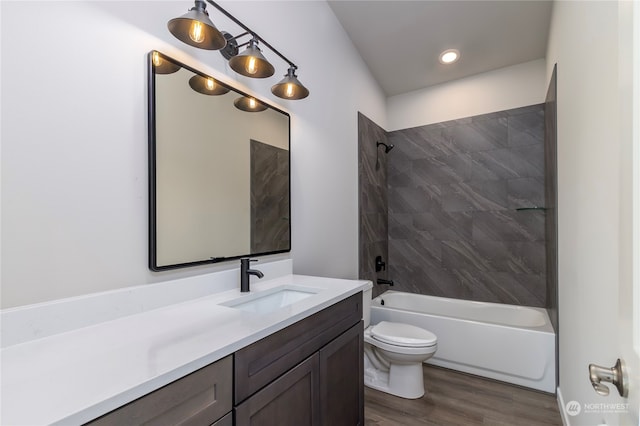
(245, 272)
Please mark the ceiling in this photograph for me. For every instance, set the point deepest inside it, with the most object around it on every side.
(401, 41)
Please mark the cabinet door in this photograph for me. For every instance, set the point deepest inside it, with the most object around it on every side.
(342, 379)
(291, 400)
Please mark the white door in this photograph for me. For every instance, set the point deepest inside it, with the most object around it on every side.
(629, 286)
(598, 211)
(630, 296)
(615, 409)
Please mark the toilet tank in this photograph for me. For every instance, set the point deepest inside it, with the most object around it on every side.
(366, 304)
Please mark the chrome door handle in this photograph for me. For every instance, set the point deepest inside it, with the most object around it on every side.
(614, 375)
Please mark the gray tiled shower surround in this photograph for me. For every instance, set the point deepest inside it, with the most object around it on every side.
(453, 194)
(269, 197)
(373, 206)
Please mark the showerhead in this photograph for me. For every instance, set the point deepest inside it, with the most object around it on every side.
(387, 148)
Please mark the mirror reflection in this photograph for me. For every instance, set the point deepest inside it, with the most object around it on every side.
(219, 170)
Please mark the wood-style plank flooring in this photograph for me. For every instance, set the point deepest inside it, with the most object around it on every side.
(454, 398)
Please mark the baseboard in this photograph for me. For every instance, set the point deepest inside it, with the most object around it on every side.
(561, 405)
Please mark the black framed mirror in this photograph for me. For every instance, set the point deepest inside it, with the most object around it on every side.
(219, 174)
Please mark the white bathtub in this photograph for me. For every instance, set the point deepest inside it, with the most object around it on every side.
(515, 344)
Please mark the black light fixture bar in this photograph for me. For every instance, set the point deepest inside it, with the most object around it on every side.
(250, 31)
(235, 38)
(196, 29)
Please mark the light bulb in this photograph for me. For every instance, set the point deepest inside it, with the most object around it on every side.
(252, 103)
(211, 84)
(157, 61)
(251, 65)
(449, 56)
(196, 31)
(289, 92)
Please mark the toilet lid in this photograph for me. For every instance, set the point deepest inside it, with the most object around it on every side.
(395, 333)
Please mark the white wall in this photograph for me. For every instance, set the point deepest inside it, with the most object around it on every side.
(497, 90)
(591, 211)
(74, 138)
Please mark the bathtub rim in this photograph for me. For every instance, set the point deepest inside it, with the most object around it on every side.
(547, 327)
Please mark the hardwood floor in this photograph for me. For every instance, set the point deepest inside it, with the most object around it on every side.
(460, 399)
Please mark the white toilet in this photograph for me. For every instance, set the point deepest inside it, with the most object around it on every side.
(394, 353)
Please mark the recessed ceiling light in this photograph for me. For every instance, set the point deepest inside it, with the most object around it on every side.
(449, 56)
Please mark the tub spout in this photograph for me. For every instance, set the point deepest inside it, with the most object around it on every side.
(383, 281)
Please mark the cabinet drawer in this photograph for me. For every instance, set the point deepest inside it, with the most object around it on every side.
(200, 398)
(263, 361)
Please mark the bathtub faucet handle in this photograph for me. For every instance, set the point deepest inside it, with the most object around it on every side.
(380, 265)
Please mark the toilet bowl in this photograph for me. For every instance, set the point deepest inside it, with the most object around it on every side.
(393, 355)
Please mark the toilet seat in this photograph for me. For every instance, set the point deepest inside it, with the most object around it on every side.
(405, 335)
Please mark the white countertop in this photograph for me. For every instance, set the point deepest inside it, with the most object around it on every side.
(78, 375)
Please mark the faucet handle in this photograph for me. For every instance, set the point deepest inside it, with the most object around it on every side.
(245, 262)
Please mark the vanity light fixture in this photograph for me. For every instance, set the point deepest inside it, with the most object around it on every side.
(207, 85)
(449, 56)
(196, 29)
(249, 104)
(251, 62)
(290, 87)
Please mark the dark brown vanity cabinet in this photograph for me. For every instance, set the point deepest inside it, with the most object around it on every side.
(310, 373)
(204, 397)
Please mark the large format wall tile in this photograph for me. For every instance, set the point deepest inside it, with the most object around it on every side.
(551, 198)
(373, 205)
(453, 191)
(525, 192)
(508, 225)
(474, 196)
(480, 135)
(269, 198)
(442, 225)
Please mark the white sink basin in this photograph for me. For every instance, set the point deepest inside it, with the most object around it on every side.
(270, 300)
